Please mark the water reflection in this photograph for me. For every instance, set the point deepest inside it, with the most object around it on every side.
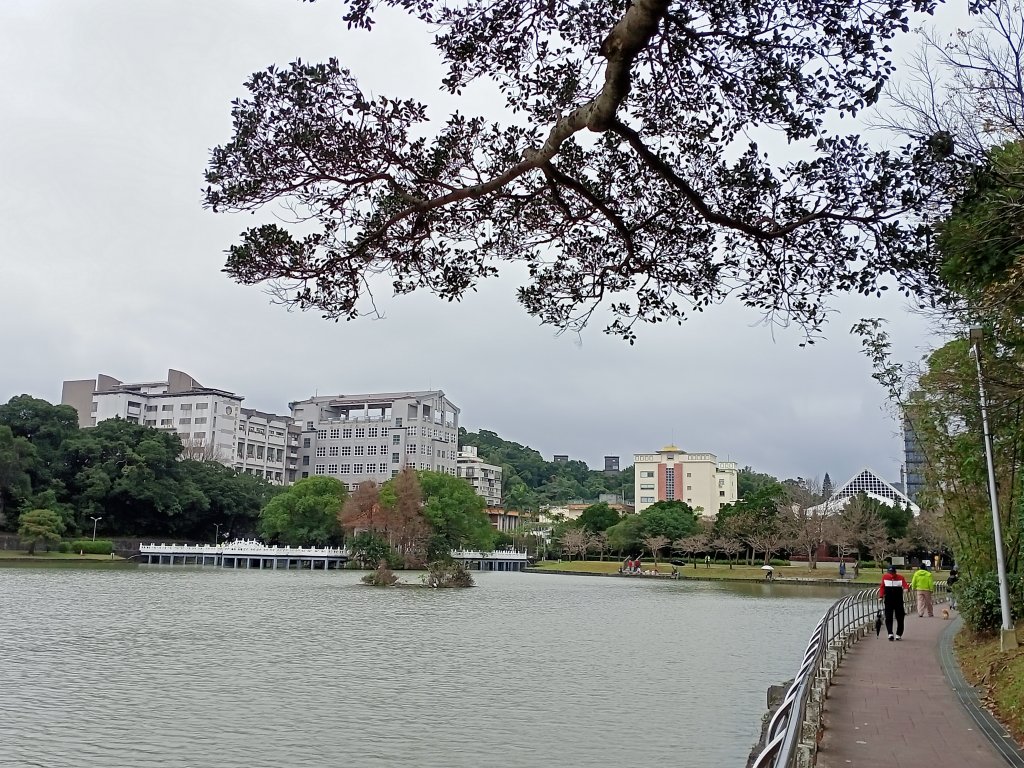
(199, 667)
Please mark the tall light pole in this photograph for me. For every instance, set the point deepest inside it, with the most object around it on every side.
(1007, 635)
(216, 533)
(94, 521)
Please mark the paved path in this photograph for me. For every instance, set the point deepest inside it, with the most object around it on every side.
(891, 706)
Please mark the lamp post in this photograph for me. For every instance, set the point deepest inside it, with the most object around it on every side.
(94, 521)
(1007, 635)
(216, 533)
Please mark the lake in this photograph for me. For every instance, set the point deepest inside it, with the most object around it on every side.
(162, 666)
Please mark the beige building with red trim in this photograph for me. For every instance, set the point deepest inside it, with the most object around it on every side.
(672, 474)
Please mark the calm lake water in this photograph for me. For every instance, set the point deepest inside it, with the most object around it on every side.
(182, 667)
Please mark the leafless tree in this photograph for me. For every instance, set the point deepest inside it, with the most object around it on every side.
(691, 545)
(728, 546)
(654, 545)
(806, 519)
(599, 543)
(198, 449)
(576, 541)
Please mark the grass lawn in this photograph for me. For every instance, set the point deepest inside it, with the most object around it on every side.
(1000, 676)
(20, 554)
(868, 576)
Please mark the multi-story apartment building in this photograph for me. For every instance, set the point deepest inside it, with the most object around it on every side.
(699, 479)
(267, 445)
(913, 461)
(211, 423)
(485, 478)
(372, 436)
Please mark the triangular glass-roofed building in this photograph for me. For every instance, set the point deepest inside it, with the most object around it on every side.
(867, 482)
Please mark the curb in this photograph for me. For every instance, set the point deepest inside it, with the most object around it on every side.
(967, 694)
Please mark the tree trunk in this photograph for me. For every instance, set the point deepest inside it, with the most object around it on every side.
(31, 546)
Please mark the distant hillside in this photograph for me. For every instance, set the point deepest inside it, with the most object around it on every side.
(529, 481)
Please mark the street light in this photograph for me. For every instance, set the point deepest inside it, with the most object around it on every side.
(216, 533)
(94, 521)
(1007, 636)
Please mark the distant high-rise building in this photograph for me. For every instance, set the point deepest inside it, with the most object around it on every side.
(611, 463)
(913, 461)
(561, 458)
(699, 479)
(371, 437)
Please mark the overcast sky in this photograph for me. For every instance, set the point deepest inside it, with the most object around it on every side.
(109, 264)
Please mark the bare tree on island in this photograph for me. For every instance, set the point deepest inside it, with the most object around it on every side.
(628, 175)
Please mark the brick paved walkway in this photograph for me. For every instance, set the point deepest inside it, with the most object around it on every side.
(890, 706)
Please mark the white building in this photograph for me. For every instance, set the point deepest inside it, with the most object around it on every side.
(699, 479)
(372, 436)
(211, 423)
(267, 445)
(485, 478)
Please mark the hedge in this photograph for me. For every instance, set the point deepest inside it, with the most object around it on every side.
(89, 547)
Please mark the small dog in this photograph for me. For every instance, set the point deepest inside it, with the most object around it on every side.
(945, 613)
(878, 623)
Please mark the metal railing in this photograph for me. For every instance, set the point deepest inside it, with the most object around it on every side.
(792, 733)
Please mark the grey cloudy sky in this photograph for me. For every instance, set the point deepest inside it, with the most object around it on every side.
(109, 264)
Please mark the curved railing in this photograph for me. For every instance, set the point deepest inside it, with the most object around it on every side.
(792, 733)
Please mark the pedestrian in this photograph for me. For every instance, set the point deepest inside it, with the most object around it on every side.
(890, 591)
(954, 577)
(923, 584)
(707, 561)
(842, 569)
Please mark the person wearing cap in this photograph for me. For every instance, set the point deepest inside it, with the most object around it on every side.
(923, 584)
(890, 591)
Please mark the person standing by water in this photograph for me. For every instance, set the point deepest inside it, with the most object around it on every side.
(954, 577)
(890, 591)
(923, 584)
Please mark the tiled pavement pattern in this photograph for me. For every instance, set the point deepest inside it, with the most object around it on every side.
(891, 706)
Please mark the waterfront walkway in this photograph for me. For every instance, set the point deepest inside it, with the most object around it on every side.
(891, 705)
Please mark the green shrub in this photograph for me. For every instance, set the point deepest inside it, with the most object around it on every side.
(89, 547)
(978, 600)
(64, 546)
(382, 577)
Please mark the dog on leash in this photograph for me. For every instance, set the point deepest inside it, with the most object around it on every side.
(878, 623)
(945, 613)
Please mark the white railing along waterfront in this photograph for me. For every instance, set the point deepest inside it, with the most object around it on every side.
(500, 554)
(252, 548)
(792, 734)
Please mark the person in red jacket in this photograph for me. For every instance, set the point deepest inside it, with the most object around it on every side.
(891, 592)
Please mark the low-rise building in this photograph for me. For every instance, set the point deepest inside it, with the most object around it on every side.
(699, 479)
(485, 478)
(267, 445)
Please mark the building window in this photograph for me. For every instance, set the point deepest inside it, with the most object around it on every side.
(395, 458)
(398, 421)
(166, 407)
(359, 450)
(332, 469)
(333, 450)
(186, 406)
(150, 422)
(198, 435)
(305, 475)
(371, 432)
(382, 468)
(259, 451)
(335, 434)
(360, 432)
(345, 469)
(413, 431)
(166, 422)
(132, 404)
(184, 421)
(150, 408)
(396, 439)
(689, 474)
(410, 448)
(305, 461)
(202, 406)
(95, 405)
(305, 442)
(200, 420)
(394, 473)
(320, 469)
(346, 433)
(689, 487)
(309, 426)
(371, 450)
(321, 434)
(721, 493)
(646, 486)
(721, 483)
(346, 450)
(321, 450)
(647, 474)
(646, 499)
(384, 431)
(357, 469)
